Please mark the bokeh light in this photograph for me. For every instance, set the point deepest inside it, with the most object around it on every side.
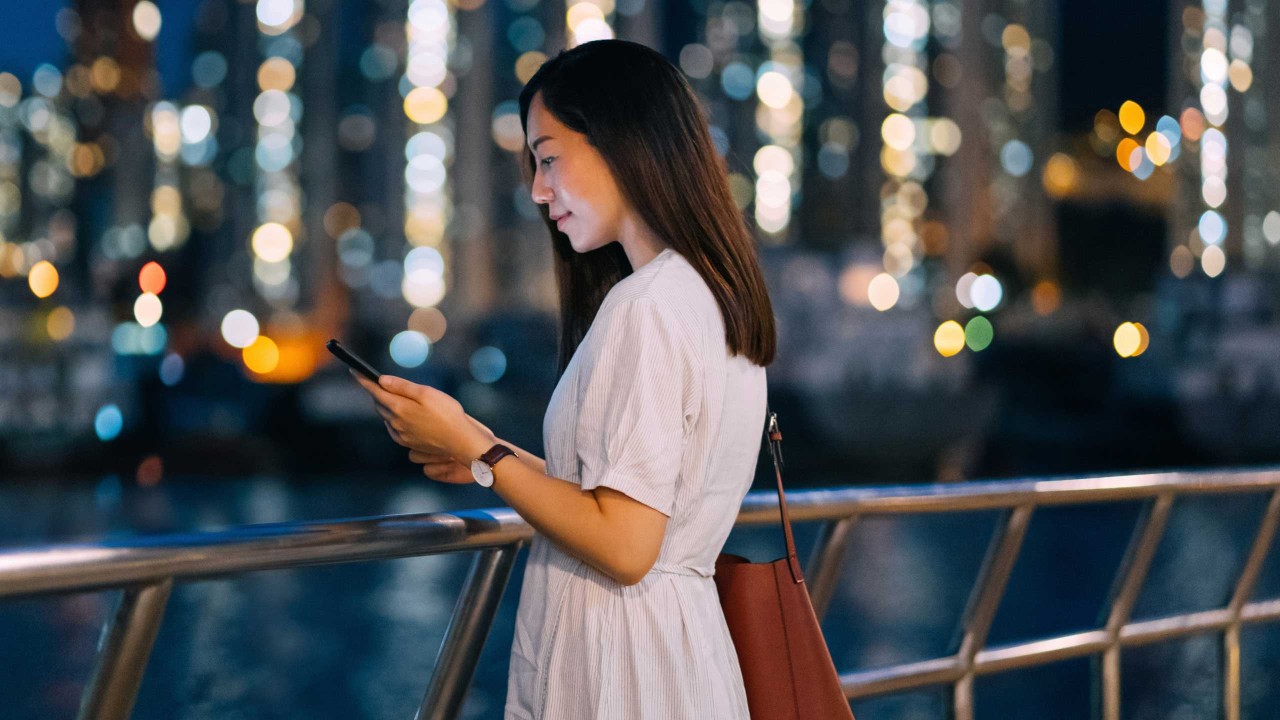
(146, 20)
(1213, 261)
(488, 364)
(949, 338)
(60, 324)
(272, 242)
(239, 328)
(262, 356)
(883, 292)
(147, 309)
(43, 279)
(409, 348)
(151, 278)
(1132, 117)
(108, 422)
(978, 333)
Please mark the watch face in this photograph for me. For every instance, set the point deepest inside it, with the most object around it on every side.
(482, 473)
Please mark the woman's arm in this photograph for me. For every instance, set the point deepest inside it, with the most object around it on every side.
(612, 532)
(608, 530)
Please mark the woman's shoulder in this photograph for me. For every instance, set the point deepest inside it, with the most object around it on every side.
(669, 284)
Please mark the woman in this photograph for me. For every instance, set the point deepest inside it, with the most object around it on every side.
(654, 428)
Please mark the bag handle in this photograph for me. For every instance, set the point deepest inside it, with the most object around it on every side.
(773, 437)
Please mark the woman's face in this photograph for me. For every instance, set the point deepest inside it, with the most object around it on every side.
(573, 181)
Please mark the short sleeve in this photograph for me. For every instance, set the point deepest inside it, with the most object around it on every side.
(632, 408)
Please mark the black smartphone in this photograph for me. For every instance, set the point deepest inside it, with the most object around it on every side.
(355, 361)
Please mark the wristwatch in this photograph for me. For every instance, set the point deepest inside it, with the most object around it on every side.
(482, 468)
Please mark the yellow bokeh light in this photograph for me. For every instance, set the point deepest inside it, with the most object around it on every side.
(43, 279)
(949, 338)
(1061, 175)
(898, 131)
(276, 73)
(899, 163)
(1144, 339)
(425, 105)
(1241, 75)
(774, 89)
(1127, 339)
(581, 11)
(272, 242)
(262, 356)
(104, 74)
(528, 64)
(1124, 153)
(1158, 148)
(1016, 40)
(60, 324)
(1132, 118)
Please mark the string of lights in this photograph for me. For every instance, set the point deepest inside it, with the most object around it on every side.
(779, 116)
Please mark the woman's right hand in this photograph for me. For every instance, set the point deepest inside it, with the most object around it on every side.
(441, 467)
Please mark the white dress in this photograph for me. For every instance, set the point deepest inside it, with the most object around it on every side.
(651, 405)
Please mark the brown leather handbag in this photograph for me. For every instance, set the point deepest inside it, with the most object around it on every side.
(786, 666)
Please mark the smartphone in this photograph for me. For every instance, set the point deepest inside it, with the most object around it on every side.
(355, 361)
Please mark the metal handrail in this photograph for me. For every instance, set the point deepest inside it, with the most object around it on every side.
(146, 568)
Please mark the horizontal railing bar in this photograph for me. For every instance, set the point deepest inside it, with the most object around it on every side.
(201, 556)
(1038, 652)
(114, 564)
(810, 505)
(938, 671)
(1174, 626)
(1262, 611)
(897, 678)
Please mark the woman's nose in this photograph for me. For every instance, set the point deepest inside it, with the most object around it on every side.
(541, 192)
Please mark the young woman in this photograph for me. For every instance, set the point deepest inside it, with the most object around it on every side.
(654, 428)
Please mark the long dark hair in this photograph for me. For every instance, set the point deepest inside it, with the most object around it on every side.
(640, 114)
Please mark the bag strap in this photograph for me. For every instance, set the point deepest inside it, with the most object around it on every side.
(773, 437)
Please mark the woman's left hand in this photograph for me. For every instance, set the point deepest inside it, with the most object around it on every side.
(420, 417)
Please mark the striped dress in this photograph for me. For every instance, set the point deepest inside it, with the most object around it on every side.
(651, 405)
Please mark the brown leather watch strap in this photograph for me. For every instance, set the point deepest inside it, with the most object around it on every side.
(496, 453)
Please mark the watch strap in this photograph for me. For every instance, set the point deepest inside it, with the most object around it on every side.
(496, 453)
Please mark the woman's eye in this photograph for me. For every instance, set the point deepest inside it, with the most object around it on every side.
(547, 161)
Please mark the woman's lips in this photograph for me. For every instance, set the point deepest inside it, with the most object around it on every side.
(560, 222)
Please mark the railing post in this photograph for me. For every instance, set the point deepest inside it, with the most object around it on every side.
(988, 589)
(1244, 587)
(124, 648)
(1129, 580)
(464, 639)
(824, 563)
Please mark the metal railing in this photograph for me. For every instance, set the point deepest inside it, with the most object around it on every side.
(146, 569)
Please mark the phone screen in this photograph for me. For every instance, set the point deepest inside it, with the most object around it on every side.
(355, 361)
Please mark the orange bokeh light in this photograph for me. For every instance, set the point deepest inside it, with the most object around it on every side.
(1124, 153)
(152, 278)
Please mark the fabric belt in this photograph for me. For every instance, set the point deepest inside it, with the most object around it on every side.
(669, 569)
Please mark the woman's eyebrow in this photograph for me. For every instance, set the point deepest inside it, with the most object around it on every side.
(534, 146)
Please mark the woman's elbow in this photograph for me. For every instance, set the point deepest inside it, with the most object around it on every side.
(629, 570)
